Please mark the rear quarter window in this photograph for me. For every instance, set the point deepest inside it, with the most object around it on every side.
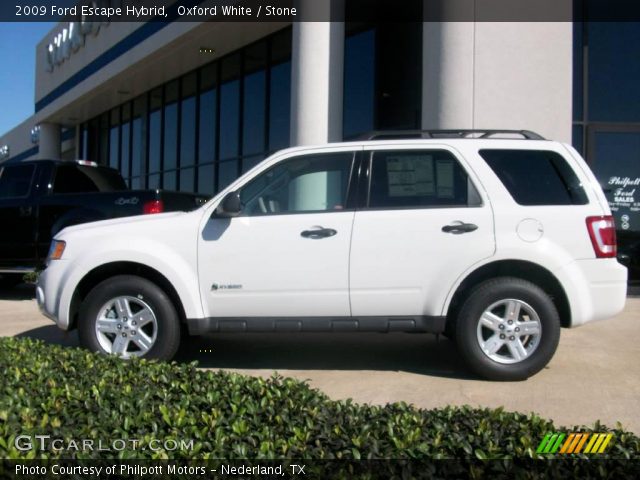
(85, 179)
(536, 177)
(16, 180)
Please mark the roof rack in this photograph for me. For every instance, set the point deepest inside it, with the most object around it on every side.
(476, 133)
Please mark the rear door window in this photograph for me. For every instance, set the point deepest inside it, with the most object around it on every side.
(16, 180)
(536, 177)
(83, 179)
(419, 179)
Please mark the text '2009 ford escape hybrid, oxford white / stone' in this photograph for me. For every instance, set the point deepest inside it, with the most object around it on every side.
(495, 238)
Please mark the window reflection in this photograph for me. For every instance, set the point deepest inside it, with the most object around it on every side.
(188, 123)
(359, 76)
(155, 130)
(280, 104)
(138, 149)
(198, 132)
(614, 71)
(114, 138)
(171, 129)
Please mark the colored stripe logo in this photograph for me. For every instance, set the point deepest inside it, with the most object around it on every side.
(574, 443)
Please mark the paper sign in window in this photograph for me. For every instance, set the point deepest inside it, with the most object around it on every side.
(410, 175)
(444, 177)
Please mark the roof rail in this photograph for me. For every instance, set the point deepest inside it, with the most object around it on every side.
(475, 133)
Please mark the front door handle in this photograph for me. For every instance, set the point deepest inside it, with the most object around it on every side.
(459, 227)
(318, 232)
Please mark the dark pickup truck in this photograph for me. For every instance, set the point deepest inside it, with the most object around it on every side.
(41, 197)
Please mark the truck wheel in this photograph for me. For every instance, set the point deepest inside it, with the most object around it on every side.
(129, 316)
(508, 329)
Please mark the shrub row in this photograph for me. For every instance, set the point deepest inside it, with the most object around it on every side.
(71, 394)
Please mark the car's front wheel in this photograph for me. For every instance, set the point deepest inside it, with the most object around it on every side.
(507, 329)
(129, 316)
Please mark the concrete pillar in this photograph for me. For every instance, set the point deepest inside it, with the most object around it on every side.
(498, 75)
(447, 69)
(49, 143)
(317, 78)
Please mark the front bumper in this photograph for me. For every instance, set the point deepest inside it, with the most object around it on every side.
(49, 294)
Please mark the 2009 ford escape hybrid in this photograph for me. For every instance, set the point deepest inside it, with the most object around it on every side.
(497, 242)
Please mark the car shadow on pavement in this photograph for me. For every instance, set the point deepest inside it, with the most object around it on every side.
(24, 291)
(52, 334)
(413, 353)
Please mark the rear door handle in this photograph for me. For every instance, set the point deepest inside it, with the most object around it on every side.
(318, 232)
(459, 227)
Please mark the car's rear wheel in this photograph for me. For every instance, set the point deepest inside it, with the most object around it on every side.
(507, 329)
(129, 316)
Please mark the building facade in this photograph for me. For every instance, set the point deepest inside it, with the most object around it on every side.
(190, 106)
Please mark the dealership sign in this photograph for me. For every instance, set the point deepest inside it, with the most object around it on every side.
(69, 41)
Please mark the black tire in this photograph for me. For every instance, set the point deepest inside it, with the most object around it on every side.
(527, 298)
(139, 293)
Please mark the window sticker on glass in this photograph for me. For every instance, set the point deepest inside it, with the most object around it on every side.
(444, 175)
(410, 175)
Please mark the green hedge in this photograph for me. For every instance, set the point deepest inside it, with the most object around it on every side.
(70, 394)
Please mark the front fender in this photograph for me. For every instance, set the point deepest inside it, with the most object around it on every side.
(177, 269)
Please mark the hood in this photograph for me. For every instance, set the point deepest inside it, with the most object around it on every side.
(149, 219)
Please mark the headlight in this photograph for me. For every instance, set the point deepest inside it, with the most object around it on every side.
(56, 250)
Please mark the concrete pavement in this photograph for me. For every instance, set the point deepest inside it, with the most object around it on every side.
(595, 373)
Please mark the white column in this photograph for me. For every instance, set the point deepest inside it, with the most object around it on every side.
(523, 77)
(317, 78)
(498, 75)
(49, 143)
(448, 70)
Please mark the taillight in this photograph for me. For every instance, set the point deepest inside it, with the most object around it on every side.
(153, 206)
(602, 231)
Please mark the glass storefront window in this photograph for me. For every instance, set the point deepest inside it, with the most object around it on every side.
(230, 108)
(114, 138)
(206, 179)
(198, 132)
(138, 149)
(614, 71)
(171, 128)
(169, 180)
(254, 105)
(125, 133)
(279, 106)
(359, 78)
(187, 179)
(208, 130)
(188, 123)
(155, 130)
(251, 161)
(103, 158)
(153, 181)
(227, 173)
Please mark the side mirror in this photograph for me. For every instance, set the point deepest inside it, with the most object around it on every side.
(230, 206)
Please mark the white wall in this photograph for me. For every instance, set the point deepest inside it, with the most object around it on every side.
(19, 138)
(499, 75)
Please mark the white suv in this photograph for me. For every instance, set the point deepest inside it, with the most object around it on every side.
(496, 242)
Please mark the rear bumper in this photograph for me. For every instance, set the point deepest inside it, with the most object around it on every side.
(596, 289)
